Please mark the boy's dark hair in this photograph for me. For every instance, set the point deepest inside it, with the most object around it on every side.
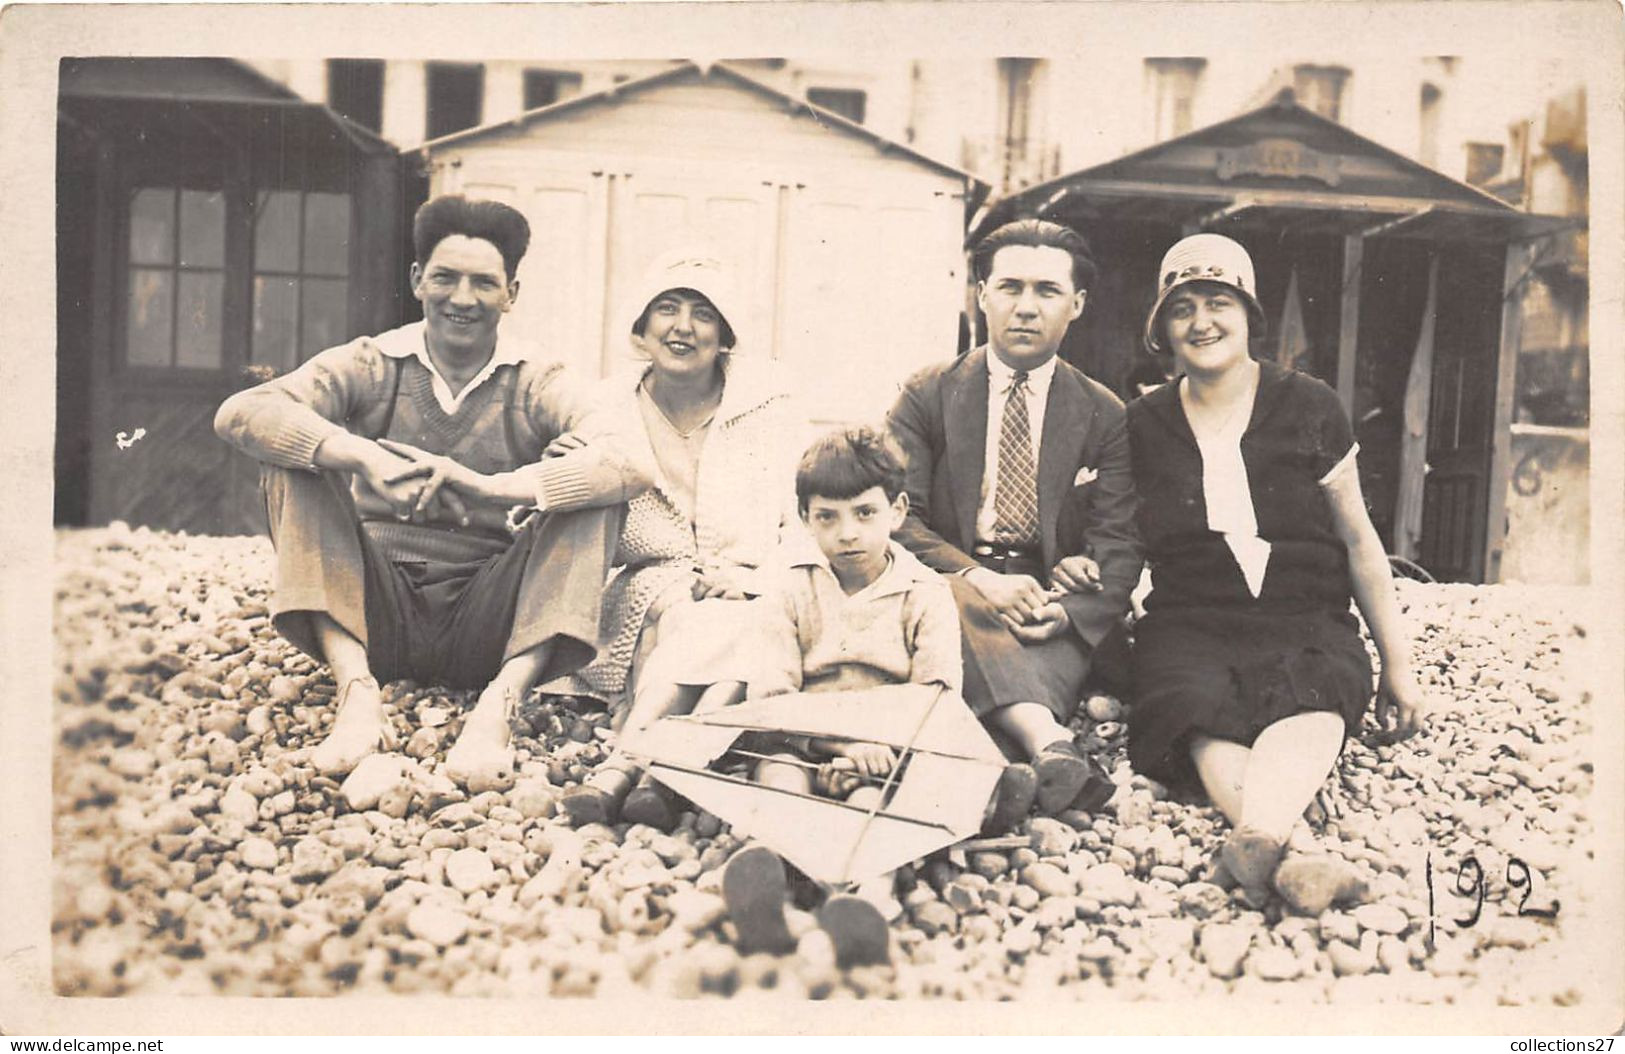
(847, 462)
(1037, 234)
(725, 332)
(502, 225)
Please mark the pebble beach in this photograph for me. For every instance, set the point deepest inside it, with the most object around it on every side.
(196, 852)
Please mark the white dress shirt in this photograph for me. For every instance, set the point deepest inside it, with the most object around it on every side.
(999, 379)
(410, 342)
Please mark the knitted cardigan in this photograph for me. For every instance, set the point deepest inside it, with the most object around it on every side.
(744, 498)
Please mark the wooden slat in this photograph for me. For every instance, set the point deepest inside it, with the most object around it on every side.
(1348, 332)
(1518, 257)
(1413, 428)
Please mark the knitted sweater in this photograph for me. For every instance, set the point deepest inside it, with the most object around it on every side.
(503, 425)
(903, 628)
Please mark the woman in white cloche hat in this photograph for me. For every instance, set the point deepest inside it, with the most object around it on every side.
(724, 435)
(1249, 668)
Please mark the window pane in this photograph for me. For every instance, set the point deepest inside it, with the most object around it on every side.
(152, 226)
(276, 231)
(327, 234)
(455, 93)
(151, 318)
(203, 228)
(276, 322)
(847, 103)
(197, 329)
(355, 88)
(326, 314)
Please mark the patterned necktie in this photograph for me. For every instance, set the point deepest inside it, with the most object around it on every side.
(1015, 496)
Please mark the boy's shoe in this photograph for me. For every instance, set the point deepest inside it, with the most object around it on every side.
(651, 803)
(1012, 799)
(753, 887)
(1063, 771)
(858, 931)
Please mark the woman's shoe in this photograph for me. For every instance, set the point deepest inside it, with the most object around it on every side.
(754, 888)
(1062, 772)
(1311, 884)
(651, 803)
(1252, 856)
(598, 798)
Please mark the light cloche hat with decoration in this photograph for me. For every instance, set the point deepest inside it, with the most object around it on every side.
(696, 267)
(1204, 258)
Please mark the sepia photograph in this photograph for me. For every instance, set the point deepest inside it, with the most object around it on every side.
(1127, 483)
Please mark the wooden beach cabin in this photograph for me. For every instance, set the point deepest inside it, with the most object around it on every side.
(1392, 282)
(848, 244)
(208, 220)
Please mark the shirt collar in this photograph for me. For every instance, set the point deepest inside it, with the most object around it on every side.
(903, 573)
(1001, 376)
(411, 341)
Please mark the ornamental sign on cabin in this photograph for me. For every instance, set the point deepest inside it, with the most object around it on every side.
(1280, 158)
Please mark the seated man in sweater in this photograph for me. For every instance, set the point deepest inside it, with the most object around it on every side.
(423, 527)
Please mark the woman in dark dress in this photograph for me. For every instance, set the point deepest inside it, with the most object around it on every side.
(1249, 668)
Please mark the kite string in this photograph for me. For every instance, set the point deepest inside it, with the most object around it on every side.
(891, 778)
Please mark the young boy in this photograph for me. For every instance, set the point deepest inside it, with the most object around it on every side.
(859, 613)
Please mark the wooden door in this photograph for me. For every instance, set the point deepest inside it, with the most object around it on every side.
(873, 285)
(561, 279)
(1461, 415)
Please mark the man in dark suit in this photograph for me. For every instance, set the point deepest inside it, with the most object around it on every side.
(1019, 492)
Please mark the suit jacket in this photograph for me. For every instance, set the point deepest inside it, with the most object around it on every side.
(1085, 492)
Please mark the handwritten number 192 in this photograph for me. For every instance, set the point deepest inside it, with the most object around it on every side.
(1470, 883)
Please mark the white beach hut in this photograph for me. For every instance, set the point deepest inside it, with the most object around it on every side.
(848, 245)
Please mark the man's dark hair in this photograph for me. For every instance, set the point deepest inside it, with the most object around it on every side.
(1038, 234)
(502, 225)
(847, 462)
(725, 332)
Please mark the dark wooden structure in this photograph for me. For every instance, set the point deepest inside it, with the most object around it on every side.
(210, 223)
(1367, 232)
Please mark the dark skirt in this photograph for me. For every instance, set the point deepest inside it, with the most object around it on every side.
(1230, 674)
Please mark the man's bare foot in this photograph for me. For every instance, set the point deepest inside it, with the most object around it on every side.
(482, 757)
(359, 728)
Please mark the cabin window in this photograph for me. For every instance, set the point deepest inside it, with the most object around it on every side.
(1320, 88)
(209, 286)
(355, 88)
(456, 94)
(849, 103)
(1171, 85)
(1428, 149)
(176, 278)
(546, 87)
(1484, 161)
(301, 275)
